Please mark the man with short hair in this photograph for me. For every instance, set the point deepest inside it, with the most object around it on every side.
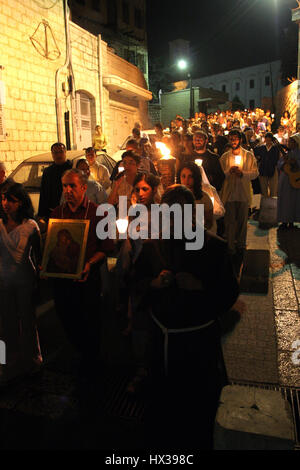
(219, 139)
(239, 167)
(99, 172)
(210, 160)
(78, 303)
(51, 187)
(94, 192)
(268, 156)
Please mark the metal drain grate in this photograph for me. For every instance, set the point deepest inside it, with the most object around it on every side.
(292, 395)
(118, 403)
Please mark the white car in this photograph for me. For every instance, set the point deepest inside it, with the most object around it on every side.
(29, 172)
(117, 156)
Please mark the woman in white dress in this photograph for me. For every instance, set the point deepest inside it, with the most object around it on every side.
(19, 256)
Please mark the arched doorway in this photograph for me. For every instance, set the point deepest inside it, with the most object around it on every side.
(85, 119)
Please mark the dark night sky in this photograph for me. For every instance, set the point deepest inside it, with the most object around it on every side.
(224, 34)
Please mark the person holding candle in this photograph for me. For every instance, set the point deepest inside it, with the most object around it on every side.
(239, 167)
(210, 160)
(146, 191)
(189, 175)
(123, 183)
(219, 140)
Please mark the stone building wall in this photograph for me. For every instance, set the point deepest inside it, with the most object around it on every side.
(286, 100)
(28, 76)
(154, 113)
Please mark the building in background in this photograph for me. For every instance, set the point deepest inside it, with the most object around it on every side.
(258, 86)
(121, 23)
(255, 86)
(58, 81)
(178, 102)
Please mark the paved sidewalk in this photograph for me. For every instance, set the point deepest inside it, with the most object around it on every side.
(50, 413)
(262, 346)
(285, 275)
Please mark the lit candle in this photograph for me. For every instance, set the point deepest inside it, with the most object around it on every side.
(121, 168)
(212, 200)
(238, 160)
(111, 263)
(166, 165)
(224, 125)
(122, 225)
(199, 162)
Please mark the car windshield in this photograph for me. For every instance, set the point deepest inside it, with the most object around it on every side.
(30, 174)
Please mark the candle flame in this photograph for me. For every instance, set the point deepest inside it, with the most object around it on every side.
(198, 162)
(238, 159)
(212, 200)
(122, 225)
(164, 150)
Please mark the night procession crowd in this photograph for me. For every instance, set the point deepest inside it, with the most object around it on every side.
(171, 298)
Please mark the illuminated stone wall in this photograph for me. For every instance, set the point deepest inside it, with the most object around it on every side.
(286, 99)
(28, 76)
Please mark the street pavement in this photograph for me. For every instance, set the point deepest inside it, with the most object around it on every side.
(58, 410)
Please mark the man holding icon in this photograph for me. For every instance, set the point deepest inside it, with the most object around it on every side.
(239, 167)
(78, 303)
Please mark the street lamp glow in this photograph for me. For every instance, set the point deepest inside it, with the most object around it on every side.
(182, 64)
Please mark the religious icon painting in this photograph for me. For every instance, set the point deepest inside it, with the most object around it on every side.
(65, 247)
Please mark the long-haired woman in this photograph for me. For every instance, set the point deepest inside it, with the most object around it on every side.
(19, 258)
